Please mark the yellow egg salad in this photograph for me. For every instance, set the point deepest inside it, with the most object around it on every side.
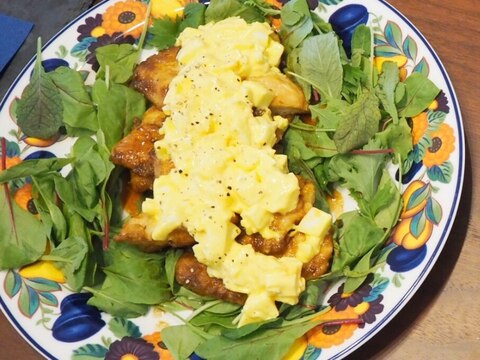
(225, 164)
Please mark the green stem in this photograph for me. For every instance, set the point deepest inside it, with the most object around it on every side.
(310, 128)
(203, 308)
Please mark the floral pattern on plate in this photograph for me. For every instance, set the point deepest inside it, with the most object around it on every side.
(37, 294)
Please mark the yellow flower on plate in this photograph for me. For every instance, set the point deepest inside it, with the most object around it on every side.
(443, 144)
(126, 17)
(419, 127)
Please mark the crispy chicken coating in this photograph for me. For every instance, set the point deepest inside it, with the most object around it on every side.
(192, 274)
(153, 76)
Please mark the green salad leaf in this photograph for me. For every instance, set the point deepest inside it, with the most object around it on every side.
(22, 239)
(40, 108)
(165, 31)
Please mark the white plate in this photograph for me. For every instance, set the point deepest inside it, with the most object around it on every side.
(33, 305)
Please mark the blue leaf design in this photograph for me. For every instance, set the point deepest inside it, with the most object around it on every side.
(410, 48)
(12, 149)
(435, 118)
(28, 301)
(434, 211)
(330, 2)
(12, 283)
(48, 298)
(311, 353)
(379, 41)
(42, 284)
(418, 224)
(90, 351)
(122, 327)
(393, 34)
(422, 67)
(442, 173)
(377, 290)
(80, 50)
(386, 51)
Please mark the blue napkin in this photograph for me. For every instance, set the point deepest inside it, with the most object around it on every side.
(13, 33)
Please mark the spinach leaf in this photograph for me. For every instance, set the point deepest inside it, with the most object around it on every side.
(359, 274)
(397, 137)
(120, 59)
(40, 110)
(117, 107)
(79, 113)
(22, 239)
(420, 92)
(127, 271)
(360, 124)
(387, 85)
(33, 167)
(221, 9)
(181, 340)
(297, 23)
(45, 198)
(387, 203)
(115, 306)
(270, 343)
(356, 236)
(320, 65)
(360, 174)
(164, 32)
(75, 254)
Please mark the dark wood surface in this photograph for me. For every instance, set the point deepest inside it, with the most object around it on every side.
(442, 319)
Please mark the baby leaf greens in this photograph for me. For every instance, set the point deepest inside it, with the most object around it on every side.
(356, 132)
(358, 126)
(39, 111)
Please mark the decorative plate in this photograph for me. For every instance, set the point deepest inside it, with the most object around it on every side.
(59, 324)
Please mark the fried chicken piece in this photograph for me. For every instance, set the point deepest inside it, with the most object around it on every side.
(136, 151)
(153, 76)
(283, 223)
(288, 99)
(320, 263)
(192, 274)
(138, 231)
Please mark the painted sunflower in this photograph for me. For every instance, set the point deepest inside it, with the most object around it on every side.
(443, 144)
(130, 348)
(325, 336)
(125, 17)
(158, 346)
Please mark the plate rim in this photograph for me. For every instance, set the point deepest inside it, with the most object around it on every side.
(432, 260)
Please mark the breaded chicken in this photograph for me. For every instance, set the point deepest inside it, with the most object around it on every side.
(192, 274)
(136, 151)
(138, 231)
(283, 223)
(153, 76)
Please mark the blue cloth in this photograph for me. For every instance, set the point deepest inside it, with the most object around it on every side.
(13, 33)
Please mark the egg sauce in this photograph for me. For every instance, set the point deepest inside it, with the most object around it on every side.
(225, 164)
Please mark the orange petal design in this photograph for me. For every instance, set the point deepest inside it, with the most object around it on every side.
(325, 336)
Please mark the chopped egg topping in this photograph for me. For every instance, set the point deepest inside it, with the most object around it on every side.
(225, 164)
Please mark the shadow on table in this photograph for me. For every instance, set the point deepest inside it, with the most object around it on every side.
(436, 280)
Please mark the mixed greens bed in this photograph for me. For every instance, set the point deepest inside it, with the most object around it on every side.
(357, 134)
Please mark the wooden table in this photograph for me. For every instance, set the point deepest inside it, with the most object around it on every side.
(442, 319)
